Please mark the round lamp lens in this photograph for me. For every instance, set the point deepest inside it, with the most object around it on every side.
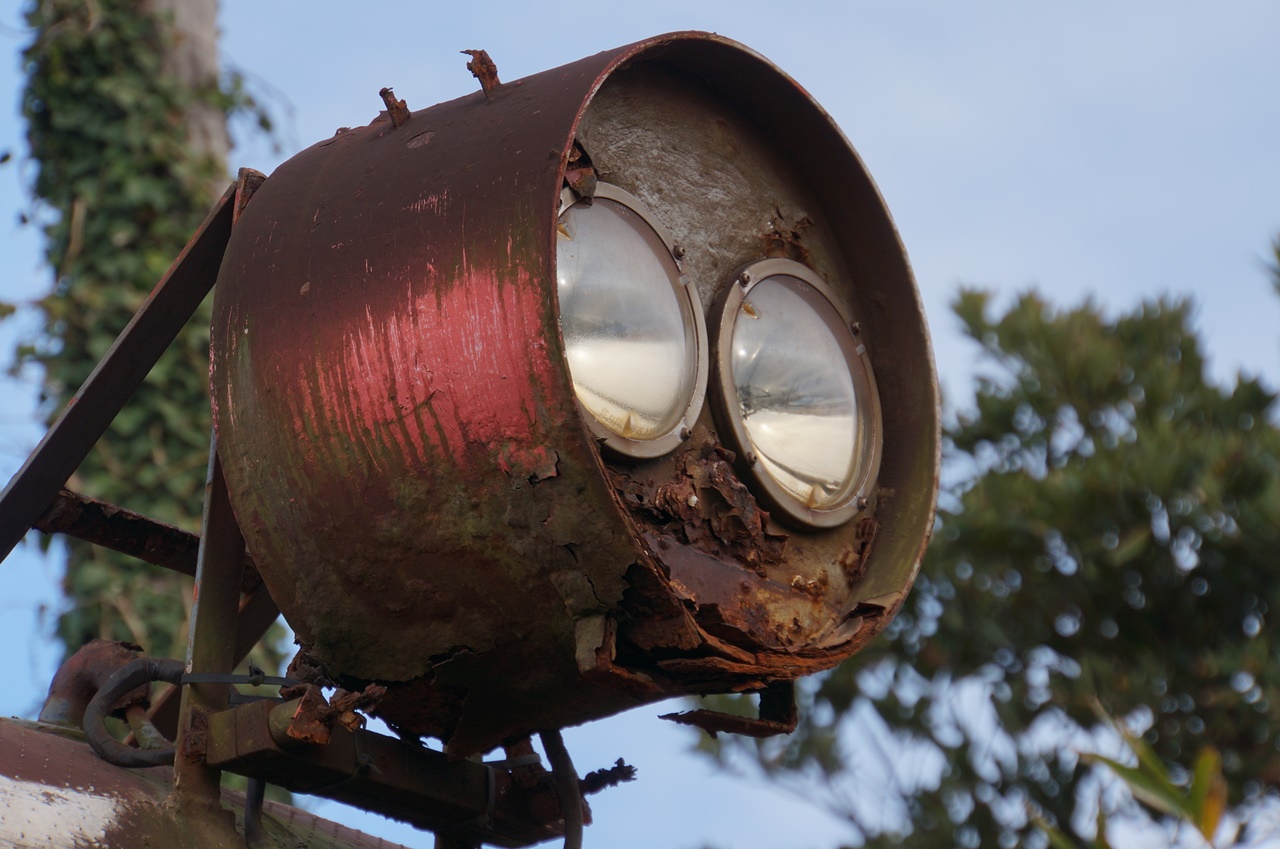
(628, 325)
(797, 397)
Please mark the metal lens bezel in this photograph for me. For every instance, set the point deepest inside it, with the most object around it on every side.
(726, 405)
(666, 442)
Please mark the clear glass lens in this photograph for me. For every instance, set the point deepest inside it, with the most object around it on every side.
(628, 329)
(796, 394)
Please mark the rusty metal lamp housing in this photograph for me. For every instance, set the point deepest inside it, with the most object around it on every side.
(427, 499)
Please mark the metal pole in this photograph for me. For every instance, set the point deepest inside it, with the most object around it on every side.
(212, 641)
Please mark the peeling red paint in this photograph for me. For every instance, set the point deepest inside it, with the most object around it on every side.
(407, 380)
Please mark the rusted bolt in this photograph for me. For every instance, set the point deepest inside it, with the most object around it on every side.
(484, 70)
(397, 110)
(685, 433)
(744, 279)
(862, 502)
(856, 328)
(678, 251)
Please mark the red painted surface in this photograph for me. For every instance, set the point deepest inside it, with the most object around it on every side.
(435, 377)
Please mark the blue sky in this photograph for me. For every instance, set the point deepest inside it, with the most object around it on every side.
(1090, 149)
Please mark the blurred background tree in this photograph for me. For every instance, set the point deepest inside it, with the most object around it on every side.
(1107, 533)
(127, 125)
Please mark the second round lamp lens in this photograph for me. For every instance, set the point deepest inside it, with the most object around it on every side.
(795, 393)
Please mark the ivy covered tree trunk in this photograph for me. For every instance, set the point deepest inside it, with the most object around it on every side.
(127, 125)
(190, 57)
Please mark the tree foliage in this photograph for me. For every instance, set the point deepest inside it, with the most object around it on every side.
(1108, 534)
(121, 191)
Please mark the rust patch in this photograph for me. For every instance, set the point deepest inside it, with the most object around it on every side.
(601, 665)
(778, 715)
(83, 674)
(343, 707)
(580, 174)
(484, 70)
(852, 564)
(529, 775)
(532, 463)
(706, 506)
(655, 620)
(853, 560)
(421, 707)
(306, 724)
(397, 110)
(193, 745)
(314, 718)
(784, 239)
(248, 181)
(815, 588)
(118, 529)
(305, 668)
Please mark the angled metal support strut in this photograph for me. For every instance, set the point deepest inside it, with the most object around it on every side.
(117, 376)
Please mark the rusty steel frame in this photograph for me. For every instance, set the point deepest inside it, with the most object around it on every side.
(117, 375)
(464, 802)
(257, 612)
(211, 645)
(110, 526)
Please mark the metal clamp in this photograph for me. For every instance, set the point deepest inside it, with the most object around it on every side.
(255, 678)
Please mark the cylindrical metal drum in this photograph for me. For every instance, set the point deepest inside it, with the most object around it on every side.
(605, 385)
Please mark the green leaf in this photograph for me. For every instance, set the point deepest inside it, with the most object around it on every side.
(1148, 761)
(1208, 798)
(1153, 790)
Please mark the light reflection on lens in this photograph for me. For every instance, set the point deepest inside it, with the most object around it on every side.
(796, 394)
(628, 328)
